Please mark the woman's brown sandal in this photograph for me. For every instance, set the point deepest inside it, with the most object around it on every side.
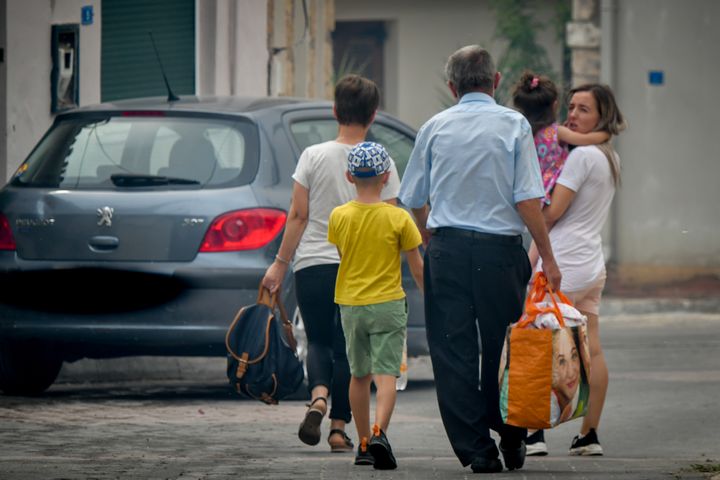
(309, 431)
(346, 445)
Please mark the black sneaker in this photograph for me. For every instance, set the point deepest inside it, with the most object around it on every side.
(381, 451)
(586, 445)
(364, 457)
(535, 444)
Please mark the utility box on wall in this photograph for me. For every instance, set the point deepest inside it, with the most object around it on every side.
(64, 77)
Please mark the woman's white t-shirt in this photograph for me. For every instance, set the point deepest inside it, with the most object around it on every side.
(575, 238)
(321, 170)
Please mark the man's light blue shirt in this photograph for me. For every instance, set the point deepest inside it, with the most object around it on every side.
(473, 163)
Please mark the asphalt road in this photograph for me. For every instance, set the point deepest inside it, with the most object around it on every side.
(660, 421)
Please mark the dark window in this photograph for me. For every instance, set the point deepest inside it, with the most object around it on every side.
(87, 152)
(311, 132)
(358, 47)
(130, 67)
(398, 144)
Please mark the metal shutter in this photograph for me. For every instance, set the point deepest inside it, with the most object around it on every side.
(129, 65)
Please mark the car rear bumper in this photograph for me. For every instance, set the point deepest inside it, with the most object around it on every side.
(102, 313)
(84, 311)
(193, 323)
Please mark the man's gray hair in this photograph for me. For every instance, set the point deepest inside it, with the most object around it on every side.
(469, 69)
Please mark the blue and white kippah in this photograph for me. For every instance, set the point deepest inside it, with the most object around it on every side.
(368, 159)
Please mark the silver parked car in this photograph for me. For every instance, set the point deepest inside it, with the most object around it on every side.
(140, 227)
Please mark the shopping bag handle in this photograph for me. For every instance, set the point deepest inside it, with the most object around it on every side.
(541, 288)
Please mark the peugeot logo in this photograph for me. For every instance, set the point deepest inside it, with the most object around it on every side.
(105, 214)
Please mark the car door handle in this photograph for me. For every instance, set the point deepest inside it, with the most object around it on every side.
(103, 243)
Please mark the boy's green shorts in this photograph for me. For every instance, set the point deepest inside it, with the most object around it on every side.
(375, 337)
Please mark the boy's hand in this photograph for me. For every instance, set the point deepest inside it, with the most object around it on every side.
(415, 262)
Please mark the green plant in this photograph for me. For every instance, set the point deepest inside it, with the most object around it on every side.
(349, 64)
(706, 467)
(516, 25)
(444, 96)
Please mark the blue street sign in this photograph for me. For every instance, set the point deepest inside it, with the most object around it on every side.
(656, 77)
(86, 13)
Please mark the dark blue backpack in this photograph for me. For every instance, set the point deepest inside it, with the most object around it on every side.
(262, 363)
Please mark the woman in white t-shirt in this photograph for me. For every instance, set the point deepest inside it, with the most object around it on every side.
(320, 186)
(575, 217)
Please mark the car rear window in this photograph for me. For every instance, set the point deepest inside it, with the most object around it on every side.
(142, 150)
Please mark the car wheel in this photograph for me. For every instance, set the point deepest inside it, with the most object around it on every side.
(27, 369)
(300, 338)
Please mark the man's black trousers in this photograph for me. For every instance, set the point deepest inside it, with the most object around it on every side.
(473, 281)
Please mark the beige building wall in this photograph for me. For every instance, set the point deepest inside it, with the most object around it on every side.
(28, 65)
(300, 48)
(667, 209)
(232, 49)
(421, 36)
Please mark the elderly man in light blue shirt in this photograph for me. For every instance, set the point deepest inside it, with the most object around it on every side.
(473, 183)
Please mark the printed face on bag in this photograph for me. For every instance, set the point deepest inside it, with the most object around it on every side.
(566, 367)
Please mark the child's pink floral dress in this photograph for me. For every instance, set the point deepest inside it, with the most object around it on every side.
(551, 155)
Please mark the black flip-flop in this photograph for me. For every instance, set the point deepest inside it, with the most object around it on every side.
(347, 446)
(309, 431)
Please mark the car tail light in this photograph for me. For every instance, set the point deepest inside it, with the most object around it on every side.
(243, 230)
(7, 240)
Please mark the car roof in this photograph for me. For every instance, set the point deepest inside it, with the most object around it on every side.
(219, 104)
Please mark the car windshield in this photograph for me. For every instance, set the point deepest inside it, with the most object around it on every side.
(132, 150)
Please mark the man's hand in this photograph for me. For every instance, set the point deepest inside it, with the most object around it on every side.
(425, 234)
(531, 213)
(421, 215)
(552, 272)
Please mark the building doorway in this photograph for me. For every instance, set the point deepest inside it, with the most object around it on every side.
(358, 47)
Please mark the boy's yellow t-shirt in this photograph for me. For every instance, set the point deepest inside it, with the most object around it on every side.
(370, 237)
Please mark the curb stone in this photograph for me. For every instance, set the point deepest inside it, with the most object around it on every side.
(616, 305)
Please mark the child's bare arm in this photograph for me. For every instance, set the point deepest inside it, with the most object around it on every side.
(415, 262)
(575, 138)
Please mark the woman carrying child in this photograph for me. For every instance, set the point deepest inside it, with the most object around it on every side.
(536, 97)
(582, 187)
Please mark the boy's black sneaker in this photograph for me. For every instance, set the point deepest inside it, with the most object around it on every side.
(381, 451)
(586, 445)
(364, 457)
(535, 444)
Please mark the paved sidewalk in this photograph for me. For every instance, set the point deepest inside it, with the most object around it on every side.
(660, 422)
(700, 294)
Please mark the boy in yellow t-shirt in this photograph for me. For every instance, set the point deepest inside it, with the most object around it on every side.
(369, 235)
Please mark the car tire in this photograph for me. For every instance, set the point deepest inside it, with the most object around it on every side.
(27, 369)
